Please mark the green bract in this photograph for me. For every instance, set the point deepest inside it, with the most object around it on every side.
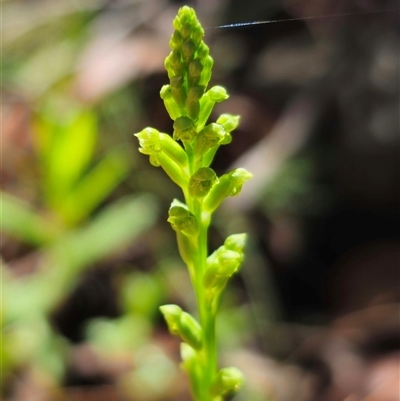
(186, 156)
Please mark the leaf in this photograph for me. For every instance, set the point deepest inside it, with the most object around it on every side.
(114, 228)
(21, 222)
(95, 186)
(69, 155)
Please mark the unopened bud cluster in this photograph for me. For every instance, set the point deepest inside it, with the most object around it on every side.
(186, 156)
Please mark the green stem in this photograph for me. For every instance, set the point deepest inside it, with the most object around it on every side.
(207, 318)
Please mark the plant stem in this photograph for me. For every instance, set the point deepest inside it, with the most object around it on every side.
(206, 316)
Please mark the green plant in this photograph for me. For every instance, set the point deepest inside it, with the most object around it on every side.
(63, 232)
(187, 163)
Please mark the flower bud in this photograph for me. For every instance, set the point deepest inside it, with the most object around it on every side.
(238, 177)
(195, 92)
(176, 23)
(218, 193)
(174, 59)
(192, 101)
(171, 168)
(211, 135)
(201, 182)
(176, 41)
(207, 103)
(197, 35)
(187, 353)
(229, 185)
(193, 109)
(229, 261)
(236, 242)
(179, 96)
(195, 69)
(218, 94)
(173, 150)
(184, 129)
(171, 106)
(187, 248)
(203, 51)
(183, 220)
(164, 152)
(212, 278)
(186, 30)
(228, 121)
(182, 324)
(221, 265)
(149, 140)
(208, 63)
(178, 90)
(153, 159)
(226, 381)
(172, 314)
(188, 50)
(190, 331)
(174, 65)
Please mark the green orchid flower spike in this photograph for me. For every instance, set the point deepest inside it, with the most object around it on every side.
(186, 157)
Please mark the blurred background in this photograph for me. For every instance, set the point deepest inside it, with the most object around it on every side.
(87, 256)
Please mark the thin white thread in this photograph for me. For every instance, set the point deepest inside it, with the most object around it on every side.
(244, 24)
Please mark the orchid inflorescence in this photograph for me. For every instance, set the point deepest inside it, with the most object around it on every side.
(186, 157)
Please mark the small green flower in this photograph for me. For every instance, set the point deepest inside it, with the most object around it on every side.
(209, 137)
(201, 182)
(229, 123)
(227, 381)
(176, 41)
(208, 63)
(236, 242)
(229, 185)
(172, 314)
(221, 265)
(178, 90)
(183, 220)
(195, 70)
(184, 129)
(173, 150)
(172, 107)
(190, 331)
(149, 140)
(216, 94)
(174, 172)
(182, 324)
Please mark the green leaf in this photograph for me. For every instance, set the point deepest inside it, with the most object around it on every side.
(21, 222)
(141, 294)
(71, 150)
(95, 186)
(115, 227)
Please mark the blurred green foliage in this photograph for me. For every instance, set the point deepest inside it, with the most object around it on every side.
(66, 245)
(69, 218)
